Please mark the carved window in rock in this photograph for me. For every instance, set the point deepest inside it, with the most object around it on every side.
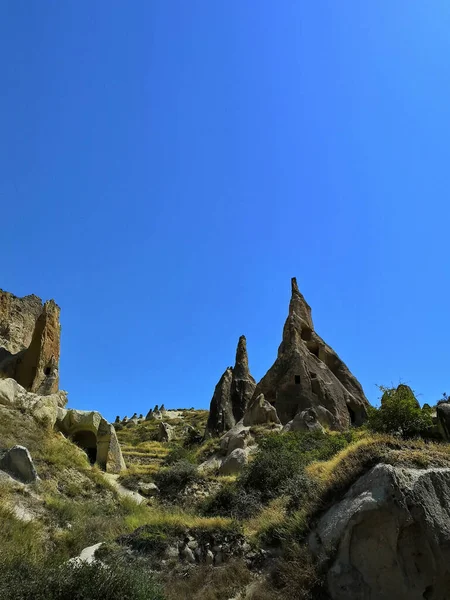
(297, 379)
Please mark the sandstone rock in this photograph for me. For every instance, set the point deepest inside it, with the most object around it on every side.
(443, 419)
(260, 412)
(232, 394)
(30, 342)
(234, 463)
(211, 464)
(306, 420)
(18, 462)
(93, 433)
(165, 433)
(148, 489)
(237, 437)
(308, 373)
(43, 408)
(149, 415)
(389, 536)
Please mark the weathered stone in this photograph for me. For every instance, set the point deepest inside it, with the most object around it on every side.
(43, 408)
(234, 462)
(30, 342)
(237, 437)
(232, 394)
(443, 419)
(308, 373)
(260, 412)
(148, 489)
(90, 431)
(165, 433)
(306, 420)
(149, 415)
(389, 537)
(18, 462)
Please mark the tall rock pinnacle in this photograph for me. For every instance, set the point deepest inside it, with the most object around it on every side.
(232, 394)
(309, 374)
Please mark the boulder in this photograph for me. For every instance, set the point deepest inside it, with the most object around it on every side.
(260, 412)
(165, 433)
(148, 489)
(43, 408)
(18, 462)
(238, 437)
(443, 419)
(306, 420)
(234, 463)
(232, 394)
(308, 373)
(389, 536)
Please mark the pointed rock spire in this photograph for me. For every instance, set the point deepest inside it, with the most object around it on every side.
(309, 374)
(232, 393)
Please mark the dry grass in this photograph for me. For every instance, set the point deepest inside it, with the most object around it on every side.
(271, 515)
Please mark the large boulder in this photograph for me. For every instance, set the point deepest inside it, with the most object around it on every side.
(93, 433)
(18, 462)
(260, 412)
(306, 420)
(232, 394)
(234, 463)
(237, 437)
(389, 536)
(166, 432)
(309, 374)
(443, 419)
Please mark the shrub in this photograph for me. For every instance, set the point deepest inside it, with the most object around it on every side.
(173, 480)
(400, 413)
(233, 501)
(78, 581)
(179, 453)
(282, 457)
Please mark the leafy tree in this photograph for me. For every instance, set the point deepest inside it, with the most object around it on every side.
(400, 413)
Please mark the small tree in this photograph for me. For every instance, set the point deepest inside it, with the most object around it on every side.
(400, 412)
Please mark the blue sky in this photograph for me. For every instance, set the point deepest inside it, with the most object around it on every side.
(167, 166)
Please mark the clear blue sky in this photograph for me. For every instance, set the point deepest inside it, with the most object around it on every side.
(166, 167)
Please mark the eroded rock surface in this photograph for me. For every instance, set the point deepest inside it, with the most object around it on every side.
(17, 462)
(260, 412)
(389, 536)
(309, 374)
(232, 394)
(30, 342)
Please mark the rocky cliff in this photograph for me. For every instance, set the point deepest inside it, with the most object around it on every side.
(309, 374)
(30, 342)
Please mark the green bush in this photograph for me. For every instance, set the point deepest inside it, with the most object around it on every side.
(77, 581)
(282, 457)
(233, 501)
(400, 413)
(173, 480)
(179, 453)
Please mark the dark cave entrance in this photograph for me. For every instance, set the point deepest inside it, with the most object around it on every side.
(352, 415)
(88, 442)
(297, 379)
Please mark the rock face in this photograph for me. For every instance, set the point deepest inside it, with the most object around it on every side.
(232, 394)
(306, 420)
(234, 462)
(391, 535)
(30, 342)
(309, 374)
(18, 462)
(260, 412)
(443, 419)
(93, 433)
(165, 432)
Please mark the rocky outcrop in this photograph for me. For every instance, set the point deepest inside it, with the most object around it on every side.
(232, 394)
(309, 374)
(43, 408)
(30, 342)
(389, 537)
(17, 462)
(235, 462)
(165, 433)
(306, 420)
(443, 419)
(93, 433)
(260, 412)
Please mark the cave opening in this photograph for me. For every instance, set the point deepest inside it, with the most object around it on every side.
(352, 415)
(87, 440)
(297, 379)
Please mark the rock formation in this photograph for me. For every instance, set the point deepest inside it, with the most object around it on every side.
(93, 433)
(30, 342)
(260, 412)
(389, 537)
(17, 462)
(232, 394)
(309, 374)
